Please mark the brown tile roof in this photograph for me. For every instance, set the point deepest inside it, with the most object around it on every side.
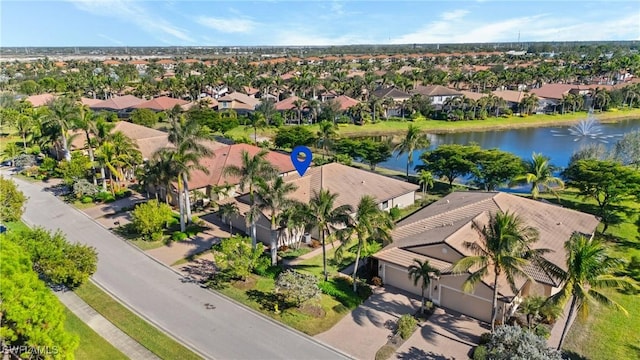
(392, 93)
(435, 90)
(40, 100)
(509, 95)
(89, 101)
(232, 155)
(111, 62)
(138, 62)
(346, 102)
(119, 103)
(472, 95)
(166, 62)
(406, 258)
(250, 90)
(161, 103)
(249, 102)
(287, 104)
(190, 61)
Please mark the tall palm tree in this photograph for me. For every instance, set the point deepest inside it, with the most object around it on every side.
(503, 249)
(422, 272)
(102, 132)
(62, 112)
(87, 123)
(539, 173)
(589, 270)
(326, 134)
(227, 212)
(412, 141)
(272, 197)
(425, 178)
(257, 121)
(327, 217)
(253, 170)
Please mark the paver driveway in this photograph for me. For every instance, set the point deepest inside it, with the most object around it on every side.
(361, 333)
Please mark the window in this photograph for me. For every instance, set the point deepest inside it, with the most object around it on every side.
(385, 205)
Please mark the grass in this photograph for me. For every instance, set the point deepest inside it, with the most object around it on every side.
(294, 253)
(16, 226)
(147, 245)
(138, 329)
(92, 346)
(314, 264)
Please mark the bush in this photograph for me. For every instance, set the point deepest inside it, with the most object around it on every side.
(385, 352)
(542, 331)
(104, 196)
(149, 218)
(83, 188)
(395, 213)
(192, 230)
(179, 236)
(509, 342)
(376, 281)
(485, 338)
(340, 289)
(296, 287)
(86, 199)
(406, 326)
(31, 171)
(480, 352)
(237, 257)
(123, 193)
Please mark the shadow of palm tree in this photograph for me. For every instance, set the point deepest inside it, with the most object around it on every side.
(418, 354)
(573, 356)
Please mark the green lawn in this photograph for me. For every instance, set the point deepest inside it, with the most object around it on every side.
(147, 245)
(138, 329)
(16, 226)
(314, 265)
(92, 346)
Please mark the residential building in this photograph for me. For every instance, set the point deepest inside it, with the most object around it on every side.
(438, 94)
(239, 102)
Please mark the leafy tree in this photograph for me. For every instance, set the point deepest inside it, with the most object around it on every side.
(590, 151)
(31, 315)
(75, 169)
(144, 117)
(449, 161)
(327, 132)
(29, 87)
(373, 152)
(296, 287)
(422, 272)
(412, 141)
(150, 218)
(539, 173)
(589, 271)
(224, 125)
(627, 149)
(12, 200)
(513, 342)
(292, 136)
(55, 258)
(495, 167)
(604, 181)
(503, 249)
(237, 256)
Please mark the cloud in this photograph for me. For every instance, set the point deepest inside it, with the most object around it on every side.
(132, 11)
(454, 15)
(115, 41)
(293, 38)
(227, 25)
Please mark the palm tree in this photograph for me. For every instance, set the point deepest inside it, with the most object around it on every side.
(371, 224)
(11, 151)
(503, 249)
(327, 218)
(589, 269)
(24, 124)
(272, 197)
(412, 141)
(539, 173)
(227, 212)
(62, 113)
(254, 169)
(422, 272)
(326, 134)
(87, 123)
(425, 178)
(102, 132)
(257, 121)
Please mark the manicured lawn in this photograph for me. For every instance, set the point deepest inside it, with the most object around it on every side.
(138, 329)
(92, 346)
(314, 265)
(16, 226)
(147, 245)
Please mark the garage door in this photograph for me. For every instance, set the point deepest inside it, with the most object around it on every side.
(465, 303)
(400, 279)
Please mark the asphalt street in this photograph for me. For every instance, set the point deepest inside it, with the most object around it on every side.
(228, 331)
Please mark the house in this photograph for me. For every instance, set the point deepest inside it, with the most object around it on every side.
(239, 102)
(437, 234)
(512, 98)
(438, 94)
(40, 100)
(162, 103)
(120, 104)
(89, 101)
(351, 184)
(288, 103)
(346, 102)
(398, 96)
(472, 95)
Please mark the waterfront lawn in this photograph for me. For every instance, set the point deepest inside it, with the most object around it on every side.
(92, 345)
(138, 329)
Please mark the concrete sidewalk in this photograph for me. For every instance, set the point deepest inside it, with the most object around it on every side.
(103, 327)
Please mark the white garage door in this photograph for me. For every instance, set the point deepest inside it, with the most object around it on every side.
(400, 279)
(465, 303)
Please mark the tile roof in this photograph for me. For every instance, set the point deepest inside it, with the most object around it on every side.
(406, 258)
(161, 103)
(248, 101)
(40, 100)
(346, 102)
(118, 103)
(392, 93)
(509, 95)
(435, 90)
(473, 95)
(287, 104)
(89, 101)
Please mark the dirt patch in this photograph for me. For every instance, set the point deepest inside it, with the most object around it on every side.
(247, 284)
(313, 310)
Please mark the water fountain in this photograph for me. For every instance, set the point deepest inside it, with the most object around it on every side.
(588, 128)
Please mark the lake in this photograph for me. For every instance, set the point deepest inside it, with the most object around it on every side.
(558, 143)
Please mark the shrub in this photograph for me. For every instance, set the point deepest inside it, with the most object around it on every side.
(395, 213)
(385, 352)
(179, 236)
(480, 352)
(31, 171)
(83, 188)
(123, 193)
(149, 218)
(542, 331)
(485, 338)
(376, 281)
(296, 287)
(23, 161)
(104, 196)
(236, 256)
(12, 200)
(192, 230)
(509, 342)
(406, 326)
(86, 199)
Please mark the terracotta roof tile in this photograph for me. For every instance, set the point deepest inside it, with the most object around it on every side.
(118, 103)
(161, 103)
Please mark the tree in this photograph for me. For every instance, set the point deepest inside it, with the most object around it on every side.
(75, 169)
(86, 121)
(150, 218)
(254, 170)
(11, 151)
(539, 173)
(627, 149)
(57, 260)
(272, 197)
(449, 161)
(326, 134)
(144, 117)
(589, 270)
(257, 121)
(236, 256)
(296, 287)
(604, 181)
(327, 217)
(373, 152)
(412, 141)
(495, 167)
(227, 212)
(425, 178)
(12, 200)
(62, 113)
(422, 272)
(513, 342)
(503, 249)
(31, 315)
(292, 136)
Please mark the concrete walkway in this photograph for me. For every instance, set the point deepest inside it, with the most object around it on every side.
(103, 327)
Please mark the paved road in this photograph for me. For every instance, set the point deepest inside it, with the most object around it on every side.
(229, 331)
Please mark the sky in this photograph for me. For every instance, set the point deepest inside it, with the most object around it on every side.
(311, 22)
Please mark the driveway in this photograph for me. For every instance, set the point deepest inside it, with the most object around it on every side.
(157, 293)
(368, 327)
(446, 335)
